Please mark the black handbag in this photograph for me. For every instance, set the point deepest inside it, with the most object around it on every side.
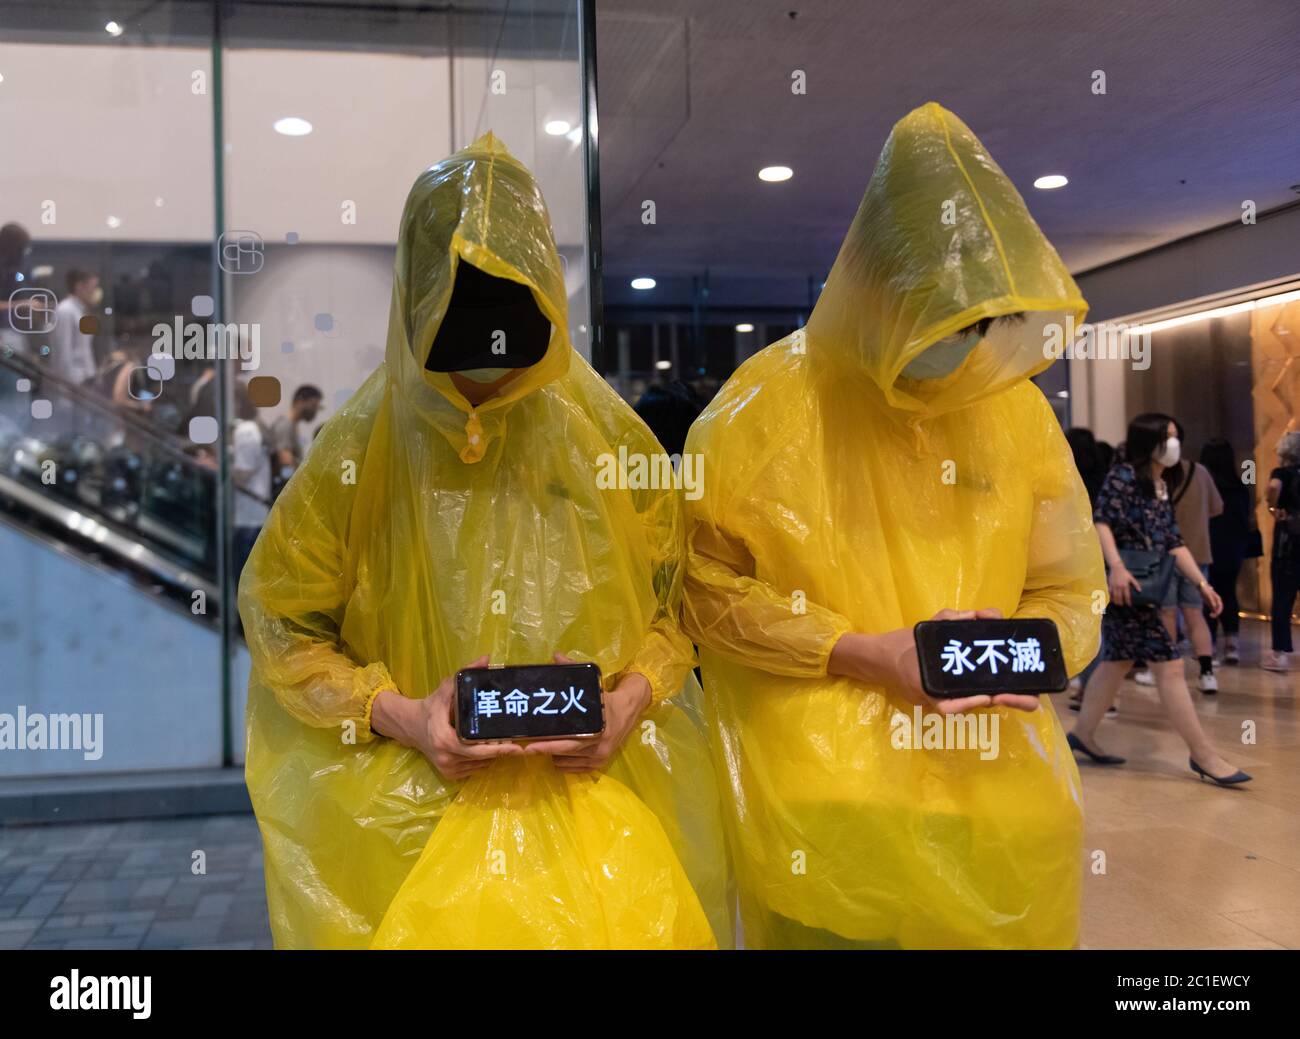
(1152, 570)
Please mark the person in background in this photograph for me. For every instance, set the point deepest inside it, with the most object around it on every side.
(669, 411)
(286, 447)
(1231, 533)
(1105, 457)
(72, 351)
(1087, 459)
(251, 472)
(1284, 504)
(1134, 513)
(1195, 500)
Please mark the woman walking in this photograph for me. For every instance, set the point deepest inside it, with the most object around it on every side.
(1135, 521)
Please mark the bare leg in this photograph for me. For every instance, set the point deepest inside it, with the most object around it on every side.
(1177, 701)
(1169, 615)
(1097, 698)
(1198, 631)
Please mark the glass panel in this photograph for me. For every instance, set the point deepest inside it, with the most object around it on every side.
(106, 503)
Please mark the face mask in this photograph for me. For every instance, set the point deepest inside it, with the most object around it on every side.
(942, 358)
(97, 297)
(1170, 453)
(485, 375)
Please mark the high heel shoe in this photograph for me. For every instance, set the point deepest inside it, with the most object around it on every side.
(1237, 777)
(1097, 759)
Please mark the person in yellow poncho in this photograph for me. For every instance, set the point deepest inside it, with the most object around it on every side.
(889, 463)
(450, 514)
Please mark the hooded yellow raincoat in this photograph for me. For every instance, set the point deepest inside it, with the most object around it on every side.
(421, 533)
(842, 497)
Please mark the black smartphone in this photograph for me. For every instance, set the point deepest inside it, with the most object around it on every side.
(529, 702)
(968, 658)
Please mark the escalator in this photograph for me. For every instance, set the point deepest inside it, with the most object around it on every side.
(112, 487)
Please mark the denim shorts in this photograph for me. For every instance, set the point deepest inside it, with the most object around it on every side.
(1183, 592)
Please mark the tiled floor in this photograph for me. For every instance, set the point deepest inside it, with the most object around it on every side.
(1189, 864)
(134, 885)
(1186, 864)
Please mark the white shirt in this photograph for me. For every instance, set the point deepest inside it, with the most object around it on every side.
(252, 465)
(72, 353)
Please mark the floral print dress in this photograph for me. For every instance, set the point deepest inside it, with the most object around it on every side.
(1138, 522)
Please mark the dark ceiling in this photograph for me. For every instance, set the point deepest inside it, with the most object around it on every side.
(1201, 112)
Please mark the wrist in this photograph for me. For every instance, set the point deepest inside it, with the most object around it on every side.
(390, 715)
(854, 656)
(638, 691)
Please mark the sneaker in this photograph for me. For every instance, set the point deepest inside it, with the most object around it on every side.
(1207, 683)
(1275, 662)
(1231, 651)
(1144, 677)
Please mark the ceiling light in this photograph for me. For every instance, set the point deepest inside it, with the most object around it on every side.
(2, 78)
(744, 326)
(575, 135)
(1052, 180)
(558, 127)
(663, 366)
(773, 174)
(114, 221)
(113, 29)
(292, 126)
(643, 283)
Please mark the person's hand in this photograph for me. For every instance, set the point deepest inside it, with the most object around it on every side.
(624, 704)
(1120, 583)
(889, 660)
(427, 726)
(1212, 599)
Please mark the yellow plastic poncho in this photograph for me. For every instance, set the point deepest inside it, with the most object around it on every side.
(421, 533)
(839, 497)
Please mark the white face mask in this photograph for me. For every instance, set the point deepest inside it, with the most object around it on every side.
(942, 358)
(485, 375)
(1170, 453)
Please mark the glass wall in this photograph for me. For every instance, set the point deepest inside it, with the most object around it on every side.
(236, 172)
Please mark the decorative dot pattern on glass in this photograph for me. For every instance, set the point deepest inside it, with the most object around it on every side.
(203, 429)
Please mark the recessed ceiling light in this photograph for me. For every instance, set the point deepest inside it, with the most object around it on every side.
(773, 174)
(663, 366)
(744, 326)
(575, 135)
(2, 78)
(158, 202)
(114, 221)
(113, 29)
(643, 283)
(558, 127)
(1052, 180)
(292, 126)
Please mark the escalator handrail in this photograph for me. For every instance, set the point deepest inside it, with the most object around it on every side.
(89, 399)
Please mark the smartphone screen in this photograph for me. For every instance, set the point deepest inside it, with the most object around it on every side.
(529, 702)
(969, 658)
